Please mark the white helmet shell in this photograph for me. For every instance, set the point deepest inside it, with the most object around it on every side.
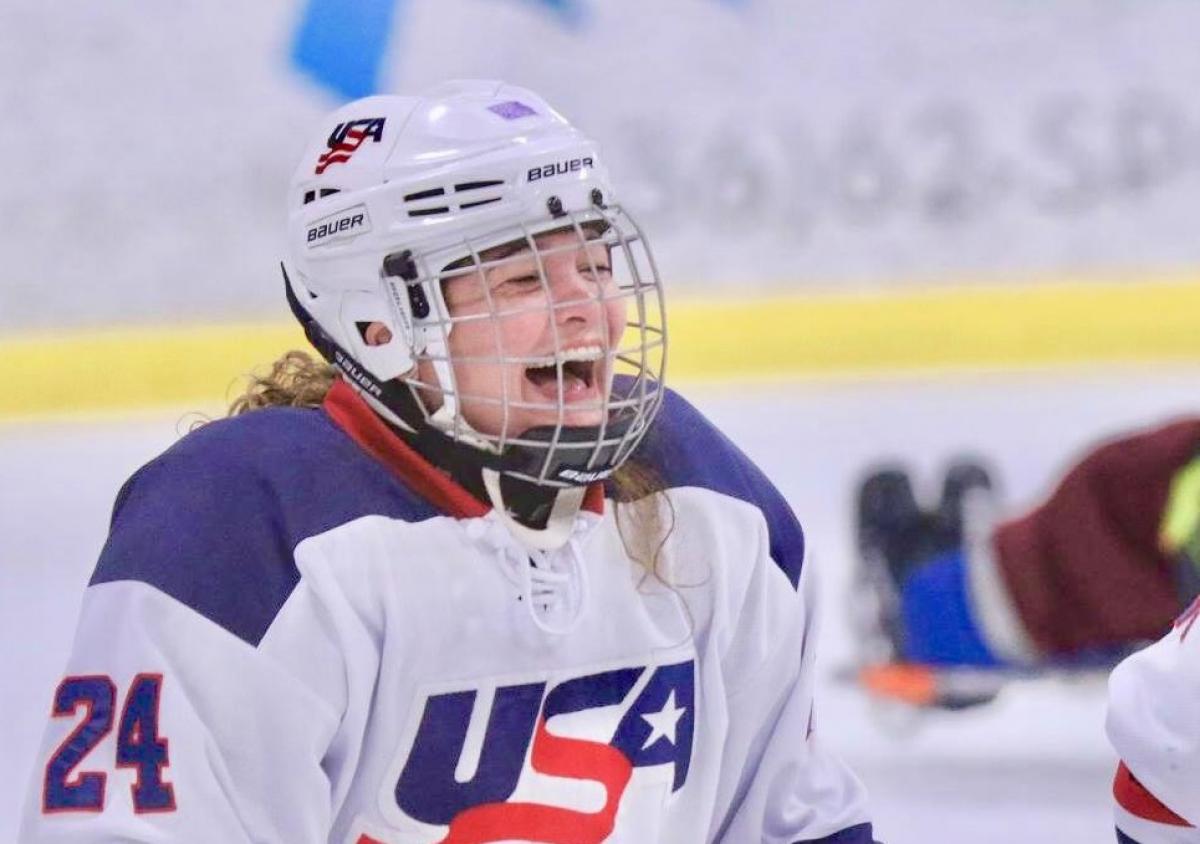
(426, 174)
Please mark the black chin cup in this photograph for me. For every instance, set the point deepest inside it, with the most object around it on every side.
(571, 458)
(539, 458)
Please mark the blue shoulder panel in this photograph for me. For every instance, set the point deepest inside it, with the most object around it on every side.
(860, 834)
(685, 449)
(212, 522)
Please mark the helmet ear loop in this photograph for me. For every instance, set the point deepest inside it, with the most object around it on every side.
(448, 417)
(419, 287)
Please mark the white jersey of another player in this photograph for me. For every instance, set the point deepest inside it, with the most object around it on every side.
(1154, 724)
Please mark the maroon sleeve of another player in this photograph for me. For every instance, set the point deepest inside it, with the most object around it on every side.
(1084, 568)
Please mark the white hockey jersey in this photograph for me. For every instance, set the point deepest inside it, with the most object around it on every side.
(1154, 724)
(301, 632)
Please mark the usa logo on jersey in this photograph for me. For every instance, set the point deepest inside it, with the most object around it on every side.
(541, 759)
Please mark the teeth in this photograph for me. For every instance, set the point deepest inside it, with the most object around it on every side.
(584, 353)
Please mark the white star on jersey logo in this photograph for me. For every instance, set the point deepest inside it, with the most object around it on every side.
(663, 722)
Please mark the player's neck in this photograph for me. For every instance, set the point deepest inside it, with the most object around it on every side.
(527, 503)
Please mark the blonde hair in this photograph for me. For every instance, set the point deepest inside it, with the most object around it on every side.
(644, 513)
(295, 380)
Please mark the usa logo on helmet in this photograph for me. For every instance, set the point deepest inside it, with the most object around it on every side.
(346, 138)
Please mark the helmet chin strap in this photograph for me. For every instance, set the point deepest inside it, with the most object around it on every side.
(567, 503)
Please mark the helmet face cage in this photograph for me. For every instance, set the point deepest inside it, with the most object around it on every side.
(627, 373)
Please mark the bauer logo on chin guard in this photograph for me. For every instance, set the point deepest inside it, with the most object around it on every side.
(581, 477)
(346, 138)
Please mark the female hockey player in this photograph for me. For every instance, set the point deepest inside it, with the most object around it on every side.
(454, 587)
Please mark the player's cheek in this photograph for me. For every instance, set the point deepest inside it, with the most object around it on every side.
(617, 316)
(474, 342)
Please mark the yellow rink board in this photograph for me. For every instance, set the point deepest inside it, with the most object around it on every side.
(719, 338)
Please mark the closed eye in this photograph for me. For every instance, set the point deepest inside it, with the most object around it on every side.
(522, 282)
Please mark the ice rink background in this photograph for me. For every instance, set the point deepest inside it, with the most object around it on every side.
(768, 146)
(1033, 767)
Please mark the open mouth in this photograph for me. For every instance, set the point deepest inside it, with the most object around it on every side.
(580, 368)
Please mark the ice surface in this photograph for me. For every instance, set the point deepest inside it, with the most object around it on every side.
(1033, 767)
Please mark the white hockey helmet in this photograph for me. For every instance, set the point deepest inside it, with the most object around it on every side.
(396, 191)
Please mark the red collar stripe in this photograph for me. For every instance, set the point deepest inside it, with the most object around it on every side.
(354, 416)
(363, 425)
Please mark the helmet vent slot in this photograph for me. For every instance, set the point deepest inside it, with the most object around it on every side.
(479, 202)
(423, 194)
(311, 195)
(490, 183)
(473, 193)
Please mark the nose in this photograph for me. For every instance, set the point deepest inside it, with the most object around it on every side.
(575, 296)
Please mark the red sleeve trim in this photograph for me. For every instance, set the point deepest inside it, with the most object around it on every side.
(1134, 798)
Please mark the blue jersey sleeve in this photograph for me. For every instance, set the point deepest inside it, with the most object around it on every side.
(213, 521)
